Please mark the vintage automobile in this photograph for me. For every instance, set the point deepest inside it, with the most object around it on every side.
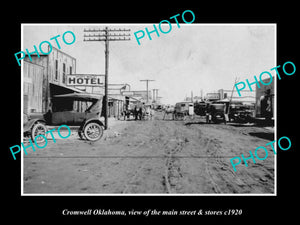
(217, 110)
(241, 113)
(200, 108)
(66, 109)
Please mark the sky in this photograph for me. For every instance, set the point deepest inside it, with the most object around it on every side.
(188, 59)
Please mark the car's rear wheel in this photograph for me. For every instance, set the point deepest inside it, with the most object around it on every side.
(38, 129)
(93, 131)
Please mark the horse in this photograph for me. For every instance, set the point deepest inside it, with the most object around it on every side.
(168, 111)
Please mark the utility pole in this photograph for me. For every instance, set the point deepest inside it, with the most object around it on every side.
(235, 81)
(155, 93)
(106, 35)
(153, 98)
(201, 94)
(147, 87)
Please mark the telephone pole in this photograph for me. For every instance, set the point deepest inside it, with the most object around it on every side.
(147, 87)
(106, 35)
(155, 93)
(228, 109)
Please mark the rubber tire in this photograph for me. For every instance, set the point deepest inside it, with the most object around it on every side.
(34, 129)
(97, 126)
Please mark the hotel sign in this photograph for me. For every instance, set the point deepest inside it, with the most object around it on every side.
(94, 80)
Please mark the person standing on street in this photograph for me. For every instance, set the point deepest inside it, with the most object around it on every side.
(151, 112)
(141, 111)
(135, 112)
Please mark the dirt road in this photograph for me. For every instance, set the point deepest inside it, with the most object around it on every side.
(157, 156)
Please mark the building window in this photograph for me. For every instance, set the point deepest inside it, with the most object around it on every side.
(70, 70)
(56, 69)
(64, 73)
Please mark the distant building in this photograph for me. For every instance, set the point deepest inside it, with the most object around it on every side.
(213, 96)
(247, 96)
(116, 99)
(195, 99)
(141, 95)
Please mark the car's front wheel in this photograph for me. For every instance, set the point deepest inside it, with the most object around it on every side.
(93, 131)
(38, 129)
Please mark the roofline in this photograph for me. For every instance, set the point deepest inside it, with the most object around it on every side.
(42, 54)
(34, 63)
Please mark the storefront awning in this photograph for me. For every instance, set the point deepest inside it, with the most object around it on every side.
(56, 89)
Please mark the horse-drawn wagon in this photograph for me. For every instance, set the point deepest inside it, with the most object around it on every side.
(183, 109)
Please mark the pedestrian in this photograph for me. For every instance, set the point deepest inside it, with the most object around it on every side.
(208, 117)
(135, 113)
(147, 111)
(141, 112)
(152, 112)
(208, 112)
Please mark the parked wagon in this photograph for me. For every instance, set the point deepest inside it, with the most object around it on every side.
(183, 109)
(129, 112)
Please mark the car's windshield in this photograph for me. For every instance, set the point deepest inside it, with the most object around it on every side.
(95, 107)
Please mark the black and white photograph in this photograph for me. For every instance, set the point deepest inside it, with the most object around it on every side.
(149, 109)
(150, 113)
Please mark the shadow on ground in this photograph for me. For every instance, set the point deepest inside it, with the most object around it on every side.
(264, 135)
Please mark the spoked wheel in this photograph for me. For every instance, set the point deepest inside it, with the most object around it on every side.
(93, 131)
(180, 116)
(38, 129)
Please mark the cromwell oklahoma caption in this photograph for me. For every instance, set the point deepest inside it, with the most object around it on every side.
(102, 212)
(153, 212)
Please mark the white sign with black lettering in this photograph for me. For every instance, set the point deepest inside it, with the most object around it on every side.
(96, 80)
